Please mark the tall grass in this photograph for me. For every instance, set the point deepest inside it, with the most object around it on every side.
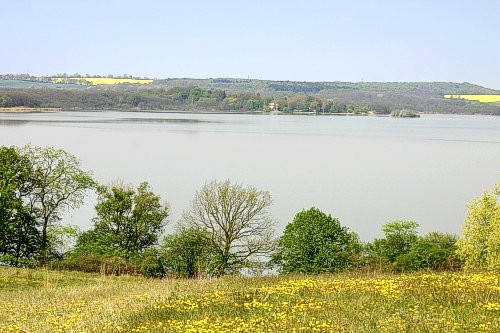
(39, 301)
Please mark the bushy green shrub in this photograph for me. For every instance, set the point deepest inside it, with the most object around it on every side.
(434, 251)
(403, 250)
(400, 237)
(188, 253)
(151, 264)
(92, 263)
(315, 242)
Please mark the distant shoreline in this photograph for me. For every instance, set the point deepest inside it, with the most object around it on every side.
(28, 110)
(239, 113)
(281, 113)
(54, 110)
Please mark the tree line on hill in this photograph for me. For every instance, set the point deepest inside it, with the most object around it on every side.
(267, 87)
(227, 229)
(28, 77)
(288, 98)
(190, 98)
(424, 97)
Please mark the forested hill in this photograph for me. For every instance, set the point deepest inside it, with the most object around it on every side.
(289, 87)
(227, 94)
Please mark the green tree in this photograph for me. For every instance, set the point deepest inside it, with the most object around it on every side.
(188, 253)
(195, 94)
(479, 244)
(58, 184)
(400, 237)
(128, 222)
(62, 240)
(19, 236)
(236, 220)
(315, 242)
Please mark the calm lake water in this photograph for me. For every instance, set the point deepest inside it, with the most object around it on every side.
(364, 170)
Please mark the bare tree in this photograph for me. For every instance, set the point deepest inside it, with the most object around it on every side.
(237, 220)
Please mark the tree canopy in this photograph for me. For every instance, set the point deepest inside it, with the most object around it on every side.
(19, 236)
(189, 253)
(236, 219)
(128, 222)
(59, 184)
(479, 244)
(37, 186)
(314, 242)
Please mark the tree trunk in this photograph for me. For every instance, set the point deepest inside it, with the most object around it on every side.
(43, 259)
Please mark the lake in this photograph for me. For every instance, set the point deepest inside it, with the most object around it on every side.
(364, 170)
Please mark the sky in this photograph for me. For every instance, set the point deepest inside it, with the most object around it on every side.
(278, 40)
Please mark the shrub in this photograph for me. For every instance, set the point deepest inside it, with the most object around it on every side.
(400, 237)
(188, 253)
(92, 263)
(151, 264)
(315, 242)
(435, 251)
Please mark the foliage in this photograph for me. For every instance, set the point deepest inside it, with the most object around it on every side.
(237, 222)
(19, 237)
(37, 185)
(95, 263)
(58, 184)
(434, 251)
(188, 253)
(151, 263)
(128, 222)
(358, 109)
(252, 95)
(228, 227)
(479, 245)
(315, 242)
(403, 250)
(400, 237)
(62, 239)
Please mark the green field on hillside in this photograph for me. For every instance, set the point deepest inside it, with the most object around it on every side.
(20, 84)
(49, 301)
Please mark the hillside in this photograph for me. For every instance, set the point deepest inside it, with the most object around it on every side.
(20, 84)
(324, 88)
(242, 95)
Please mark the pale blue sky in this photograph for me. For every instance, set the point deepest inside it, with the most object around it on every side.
(282, 40)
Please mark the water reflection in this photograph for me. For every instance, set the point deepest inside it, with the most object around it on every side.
(364, 170)
(13, 122)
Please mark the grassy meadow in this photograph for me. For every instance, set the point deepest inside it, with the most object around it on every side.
(480, 98)
(102, 80)
(50, 301)
(25, 84)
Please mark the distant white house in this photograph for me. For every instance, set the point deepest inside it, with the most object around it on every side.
(272, 106)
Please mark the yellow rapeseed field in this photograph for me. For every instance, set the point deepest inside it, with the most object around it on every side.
(47, 301)
(101, 80)
(480, 98)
